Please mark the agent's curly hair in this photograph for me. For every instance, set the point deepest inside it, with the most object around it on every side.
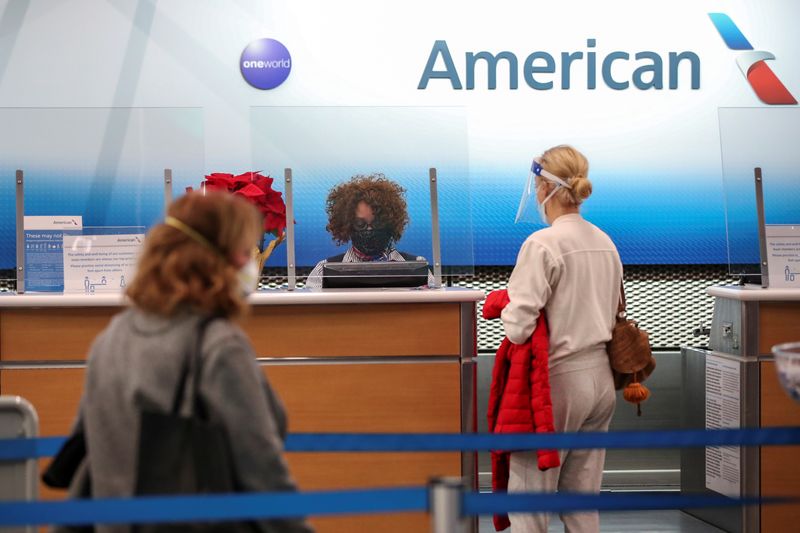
(384, 196)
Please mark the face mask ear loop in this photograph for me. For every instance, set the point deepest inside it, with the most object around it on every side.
(552, 193)
(541, 206)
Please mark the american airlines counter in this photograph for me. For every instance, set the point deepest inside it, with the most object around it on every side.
(394, 360)
(734, 384)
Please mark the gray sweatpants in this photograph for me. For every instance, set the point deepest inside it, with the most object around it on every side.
(583, 400)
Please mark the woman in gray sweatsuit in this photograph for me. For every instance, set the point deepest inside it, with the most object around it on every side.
(194, 266)
(573, 271)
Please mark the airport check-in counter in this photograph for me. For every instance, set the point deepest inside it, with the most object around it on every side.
(734, 384)
(348, 361)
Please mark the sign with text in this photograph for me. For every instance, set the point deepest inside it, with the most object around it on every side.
(723, 397)
(44, 261)
(100, 263)
(783, 255)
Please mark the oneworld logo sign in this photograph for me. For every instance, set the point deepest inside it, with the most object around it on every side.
(544, 71)
(265, 63)
(752, 63)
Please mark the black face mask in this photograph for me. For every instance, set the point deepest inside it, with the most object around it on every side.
(372, 241)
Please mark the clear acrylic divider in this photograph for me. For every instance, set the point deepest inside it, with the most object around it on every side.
(326, 146)
(765, 138)
(94, 167)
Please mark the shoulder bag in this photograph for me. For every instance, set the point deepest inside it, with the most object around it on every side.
(185, 453)
(630, 356)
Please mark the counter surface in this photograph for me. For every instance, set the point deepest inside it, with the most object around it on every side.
(754, 293)
(268, 297)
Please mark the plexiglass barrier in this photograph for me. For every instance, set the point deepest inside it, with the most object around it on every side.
(325, 147)
(764, 138)
(82, 168)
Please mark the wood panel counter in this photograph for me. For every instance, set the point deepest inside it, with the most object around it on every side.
(394, 360)
(748, 321)
(770, 317)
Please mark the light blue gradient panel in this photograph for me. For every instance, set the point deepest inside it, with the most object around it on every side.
(311, 188)
(765, 138)
(655, 220)
(325, 146)
(8, 237)
(652, 218)
(106, 165)
(108, 168)
(130, 202)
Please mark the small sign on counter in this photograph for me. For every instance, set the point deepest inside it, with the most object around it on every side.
(783, 255)
(44, 260)
(100, 263)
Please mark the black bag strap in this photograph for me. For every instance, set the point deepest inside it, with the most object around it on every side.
(191, 366)
(66, 462)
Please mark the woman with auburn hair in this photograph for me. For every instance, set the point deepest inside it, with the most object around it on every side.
(572, 270)
(370, 213)
(196, 268)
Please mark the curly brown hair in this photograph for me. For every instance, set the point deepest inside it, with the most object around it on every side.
(178, 272)
(384, 196)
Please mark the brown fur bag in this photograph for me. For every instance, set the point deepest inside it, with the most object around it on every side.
(630, 356)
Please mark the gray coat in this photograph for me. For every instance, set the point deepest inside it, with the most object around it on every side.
(135, 362)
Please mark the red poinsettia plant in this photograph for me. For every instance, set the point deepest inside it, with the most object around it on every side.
(257, 189)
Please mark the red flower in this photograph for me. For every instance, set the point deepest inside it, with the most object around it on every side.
(257, 189)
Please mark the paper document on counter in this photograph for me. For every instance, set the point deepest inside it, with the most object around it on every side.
(723, 396)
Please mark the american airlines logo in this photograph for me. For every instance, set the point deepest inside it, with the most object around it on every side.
(752, 63)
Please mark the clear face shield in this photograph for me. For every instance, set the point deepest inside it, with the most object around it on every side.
(529, 209)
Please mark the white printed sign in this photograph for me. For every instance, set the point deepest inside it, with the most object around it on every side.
(783, 255)
(99, 263)
(44, 261)
(54, 223)
(723, 397)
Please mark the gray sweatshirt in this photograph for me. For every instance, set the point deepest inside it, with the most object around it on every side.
(135, 362)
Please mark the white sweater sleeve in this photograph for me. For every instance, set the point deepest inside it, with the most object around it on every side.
(535, 275)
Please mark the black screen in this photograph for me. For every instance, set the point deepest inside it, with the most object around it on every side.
(375, 274)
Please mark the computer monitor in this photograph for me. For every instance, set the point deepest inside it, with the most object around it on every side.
(378, 274)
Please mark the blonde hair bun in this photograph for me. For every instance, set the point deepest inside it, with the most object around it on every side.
(570, 164)
(581, 188)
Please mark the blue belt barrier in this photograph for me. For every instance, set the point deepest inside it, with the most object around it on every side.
(259, 506)
(502, 503)
(213, 508)
(15, 449)
(443, 442)
(11, 449)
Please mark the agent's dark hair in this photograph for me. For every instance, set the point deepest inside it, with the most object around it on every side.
(384, 196)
